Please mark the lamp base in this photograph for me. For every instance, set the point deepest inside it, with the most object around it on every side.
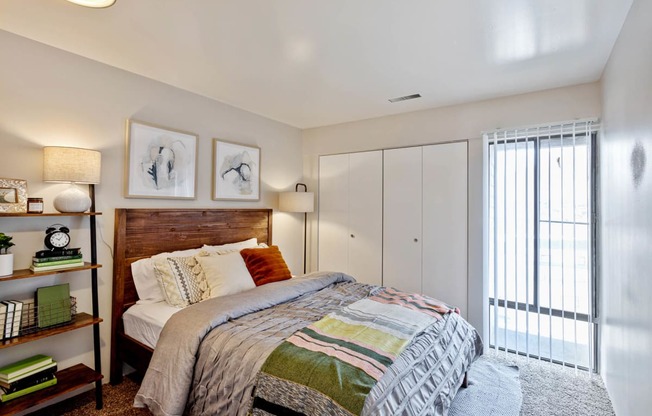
(72, 200)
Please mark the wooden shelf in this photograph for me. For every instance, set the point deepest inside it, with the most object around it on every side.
(80, 320)
(78, 376)
(49, 214)
(68, 380)
(27, 273)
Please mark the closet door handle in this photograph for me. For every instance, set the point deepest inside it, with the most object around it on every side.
(352, 235)
(416, 240)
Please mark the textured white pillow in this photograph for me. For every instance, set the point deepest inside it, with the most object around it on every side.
(147, 286)
(226, 274)
(226, 248)
(182, 280)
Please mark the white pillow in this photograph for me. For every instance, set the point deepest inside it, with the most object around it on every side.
(226, 248)
(147, 286)
(226, 274)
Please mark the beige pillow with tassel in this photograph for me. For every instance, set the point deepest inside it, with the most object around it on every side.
(182, 280)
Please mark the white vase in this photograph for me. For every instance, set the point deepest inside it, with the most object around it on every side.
(72, 199)
(6, 264)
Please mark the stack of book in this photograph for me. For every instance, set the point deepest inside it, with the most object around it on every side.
(45, 260)
(11, 317)
(27, 376)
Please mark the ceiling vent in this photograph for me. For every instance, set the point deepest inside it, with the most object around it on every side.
(404, 98)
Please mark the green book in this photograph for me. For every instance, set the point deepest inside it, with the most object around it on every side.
(55, 258)
(55, 267)
(10, 396)
(21, 367)
(51, 367)
(56, 263)
(53, 305)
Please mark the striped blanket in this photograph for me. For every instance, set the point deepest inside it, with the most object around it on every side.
(330, 367)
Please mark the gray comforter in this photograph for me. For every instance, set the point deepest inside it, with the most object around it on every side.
(209, 354)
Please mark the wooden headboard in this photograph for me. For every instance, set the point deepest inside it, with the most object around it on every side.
(143, 232)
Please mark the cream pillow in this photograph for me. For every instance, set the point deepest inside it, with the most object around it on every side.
(226, 274)
(182, 280)
(231, 247)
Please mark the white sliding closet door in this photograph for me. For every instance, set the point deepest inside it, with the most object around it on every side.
(445, 223)
(351, 215)
(366, 217)
(334, 212)
(402, 219)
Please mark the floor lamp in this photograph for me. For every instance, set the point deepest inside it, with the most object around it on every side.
(299, 202)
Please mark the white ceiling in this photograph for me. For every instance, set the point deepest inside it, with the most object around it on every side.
(311, 63)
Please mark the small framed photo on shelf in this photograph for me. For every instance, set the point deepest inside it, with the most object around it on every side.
(13, 196)
(236, 171)
(160, 162)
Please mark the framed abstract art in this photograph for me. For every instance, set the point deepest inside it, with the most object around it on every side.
(160, 162)
(236, 171)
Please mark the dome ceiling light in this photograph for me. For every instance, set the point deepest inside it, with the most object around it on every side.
(97, 4)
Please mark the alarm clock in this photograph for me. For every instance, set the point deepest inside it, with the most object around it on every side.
(57, 237)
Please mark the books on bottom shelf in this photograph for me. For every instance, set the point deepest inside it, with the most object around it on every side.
(27, 376)
(27, 366)
(5, 397)
(26, 380)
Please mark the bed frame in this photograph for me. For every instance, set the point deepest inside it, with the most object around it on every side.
(141, 233)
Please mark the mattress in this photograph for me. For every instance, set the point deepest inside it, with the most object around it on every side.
(144, 322)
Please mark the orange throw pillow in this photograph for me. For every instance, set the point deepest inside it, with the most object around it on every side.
(266, 265)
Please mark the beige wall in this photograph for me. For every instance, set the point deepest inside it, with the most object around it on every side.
(51, 97)
(626, 218)
(460, 122)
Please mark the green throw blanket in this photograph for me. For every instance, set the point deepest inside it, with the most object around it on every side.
(329, 367)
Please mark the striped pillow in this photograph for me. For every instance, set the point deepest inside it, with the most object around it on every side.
(266, 265)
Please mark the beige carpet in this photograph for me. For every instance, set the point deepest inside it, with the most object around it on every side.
(548, 390)
(118, 400)
(554, 390)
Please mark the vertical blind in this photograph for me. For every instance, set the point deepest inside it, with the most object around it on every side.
(540, 195)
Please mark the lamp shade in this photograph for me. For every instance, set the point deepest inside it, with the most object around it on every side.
(296, 201)
(71, 164)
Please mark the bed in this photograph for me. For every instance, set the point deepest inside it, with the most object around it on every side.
(205, 373)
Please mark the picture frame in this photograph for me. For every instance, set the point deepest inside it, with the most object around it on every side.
(160, 162)
(236, 171)
(13, 196)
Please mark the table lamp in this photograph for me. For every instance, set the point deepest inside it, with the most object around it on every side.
(72, 165)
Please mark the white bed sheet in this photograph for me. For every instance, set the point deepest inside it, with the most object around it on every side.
(144, 322)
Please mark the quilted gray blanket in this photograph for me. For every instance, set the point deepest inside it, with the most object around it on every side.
(209, 354)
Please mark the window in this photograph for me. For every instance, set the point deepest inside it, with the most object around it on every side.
(540, 249)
